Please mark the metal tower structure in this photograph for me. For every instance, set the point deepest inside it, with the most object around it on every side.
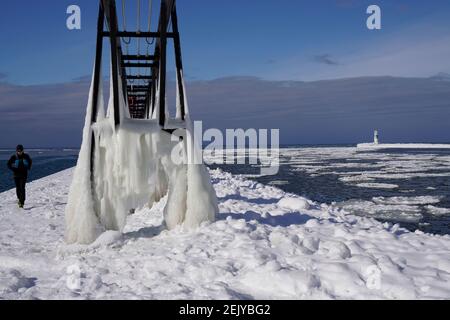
(141, 98)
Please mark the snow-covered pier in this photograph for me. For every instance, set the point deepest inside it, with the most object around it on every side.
(265, 244)
(377, 145)
(403, 146)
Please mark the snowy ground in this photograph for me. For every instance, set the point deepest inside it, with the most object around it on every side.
(266, 244)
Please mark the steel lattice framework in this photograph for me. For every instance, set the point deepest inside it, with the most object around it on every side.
(141, 98)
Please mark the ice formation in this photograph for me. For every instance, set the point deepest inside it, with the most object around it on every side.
(136, 163)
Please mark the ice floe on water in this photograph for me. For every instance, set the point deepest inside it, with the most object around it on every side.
(399, 212)
(407, 200)
(377, 185)
(438, 211)
(278, 182)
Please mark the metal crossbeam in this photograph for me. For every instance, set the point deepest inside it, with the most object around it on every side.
(138, 98)
(138, 77)
(130, 34)
(138, 65)
(138, 57)
(131, 91)
(134, 88)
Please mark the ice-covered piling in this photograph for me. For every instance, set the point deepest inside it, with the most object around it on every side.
(134, 167)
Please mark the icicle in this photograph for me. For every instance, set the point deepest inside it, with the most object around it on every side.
(81, 221)
(201, 202)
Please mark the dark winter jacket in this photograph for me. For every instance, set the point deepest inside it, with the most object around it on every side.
(20, 165)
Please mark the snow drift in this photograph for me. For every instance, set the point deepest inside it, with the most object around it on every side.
(258, 248)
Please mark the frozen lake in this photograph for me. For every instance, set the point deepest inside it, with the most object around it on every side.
(406, 186)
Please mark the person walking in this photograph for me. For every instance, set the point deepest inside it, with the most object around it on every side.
(20, 163)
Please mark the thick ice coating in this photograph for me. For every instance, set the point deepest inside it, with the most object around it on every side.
(135, 164)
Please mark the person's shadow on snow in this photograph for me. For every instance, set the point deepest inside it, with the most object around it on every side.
(246, 199)
(285, 220)
(147, 232)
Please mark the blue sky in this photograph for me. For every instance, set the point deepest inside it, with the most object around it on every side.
(245, 61)
(271, 39)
